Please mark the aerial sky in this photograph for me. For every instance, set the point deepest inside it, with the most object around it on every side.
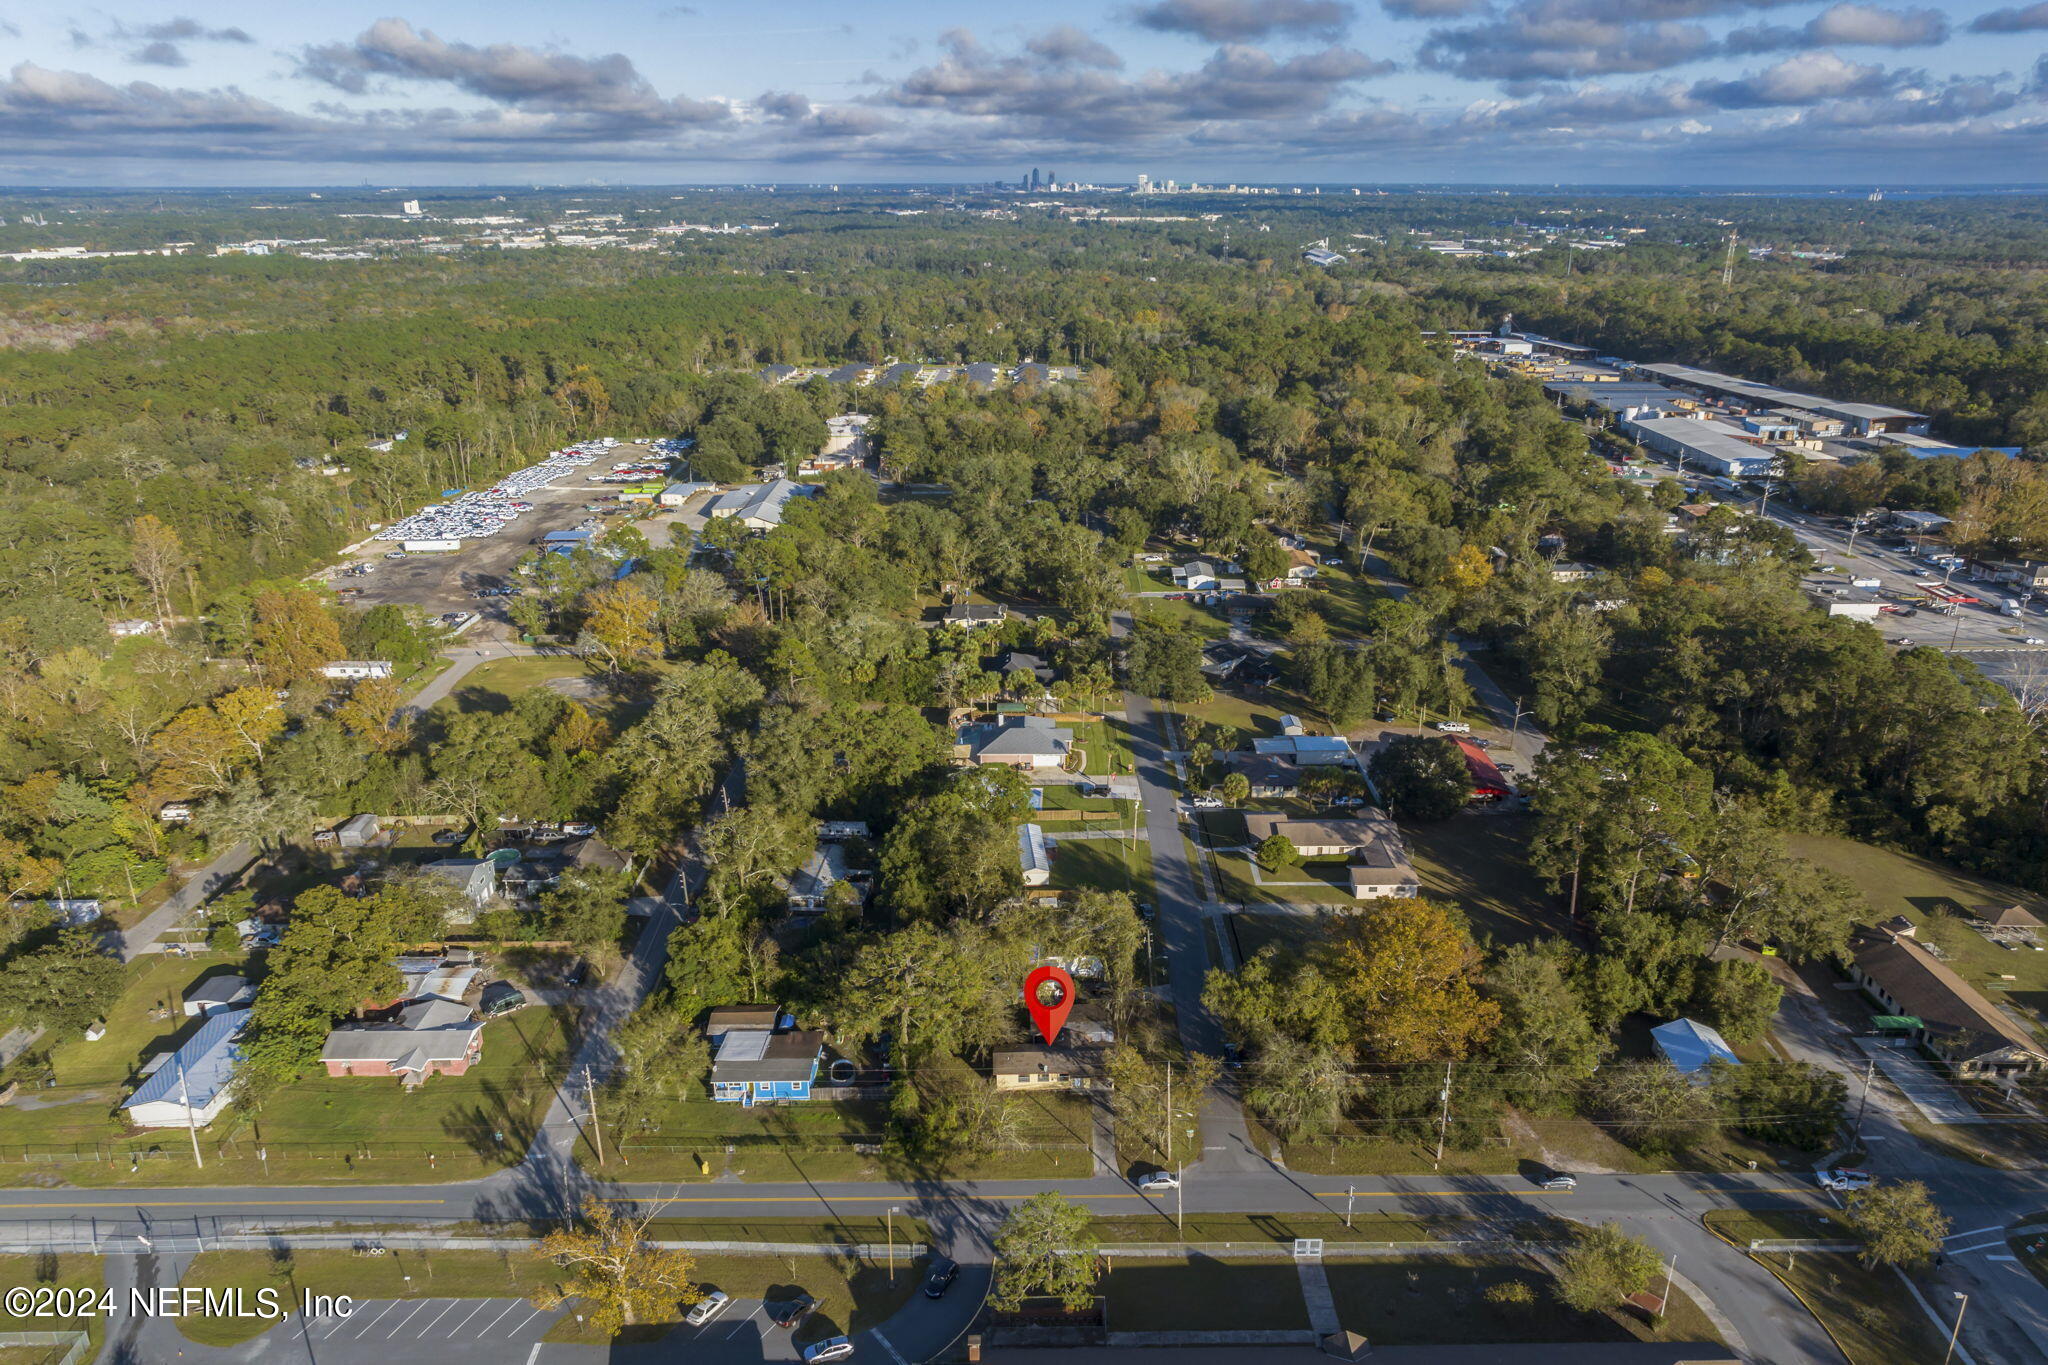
(456, 92)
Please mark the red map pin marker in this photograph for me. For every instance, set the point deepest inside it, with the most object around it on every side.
(1049, 995)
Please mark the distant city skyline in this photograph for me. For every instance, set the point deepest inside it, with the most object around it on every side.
(1613, 92)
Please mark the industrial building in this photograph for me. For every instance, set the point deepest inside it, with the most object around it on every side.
(1711, 446)
(1861, 419)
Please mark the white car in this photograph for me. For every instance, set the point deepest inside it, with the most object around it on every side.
(831, 1348)
(1560, 1182)
(579, 827)
(1451, 727)
(708, 1309)
(1159, 1182)
(1206, 802)
(1844, 1178)
(2034, 640)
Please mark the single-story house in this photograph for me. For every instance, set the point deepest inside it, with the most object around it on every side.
(592, 852)
(124, 629)
(842, 831)
(357, 668)
(1019, 742)
(1956, 1023)
(1270, 777)
(1291, 725)
(811, 883)
(1038, 1068)
(190, 1087)
(1033, 855)
(218, 993)
(440, 1045)
(1571, 571)
(1301, 567)
(676, 494)
(762, 1018)
(758, 506)
(755, 1065)
(357, 831)
(1017, 661)
(1202, 574)
(1692, 1046)
(1306, 749)
(1321, 838)
(475, 878)
(968, 615)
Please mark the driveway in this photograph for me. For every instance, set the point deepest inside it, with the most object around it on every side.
(1933, 1096)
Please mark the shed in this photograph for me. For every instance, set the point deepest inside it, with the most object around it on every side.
(218, 993)
(2009, 917)
(1691, 1046)
(357, 831)
(1033, 856)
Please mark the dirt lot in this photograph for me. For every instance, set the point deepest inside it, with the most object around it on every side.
(442, 583)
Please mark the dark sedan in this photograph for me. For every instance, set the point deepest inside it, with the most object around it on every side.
(940, 1277)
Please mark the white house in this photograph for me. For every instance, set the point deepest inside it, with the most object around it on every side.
(124, 629)
(190, 1087)
(357, 668)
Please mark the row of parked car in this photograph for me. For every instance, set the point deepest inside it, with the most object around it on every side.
(789, 1314)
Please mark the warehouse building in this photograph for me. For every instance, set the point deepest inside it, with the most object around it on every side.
(1710, 446)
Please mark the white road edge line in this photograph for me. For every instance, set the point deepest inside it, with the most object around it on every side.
(1981, 1246)
(1977, 1232)
(1961, 1352)
(894, 1354)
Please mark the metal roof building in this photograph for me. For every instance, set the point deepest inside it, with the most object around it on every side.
(191, 1085)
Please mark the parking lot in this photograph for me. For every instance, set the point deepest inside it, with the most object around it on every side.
(499, 1329)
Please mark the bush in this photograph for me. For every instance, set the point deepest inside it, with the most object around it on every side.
(1511, 1293)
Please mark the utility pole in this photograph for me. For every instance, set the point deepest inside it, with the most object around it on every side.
(1350, 1199)
(1169, 1111)
(1516, 733)
(191, 1119)
(892, 1244)
(1670, 1270)
(1443, 1124)
(1869, 1066)
(1961, 1309)
(590, 1107)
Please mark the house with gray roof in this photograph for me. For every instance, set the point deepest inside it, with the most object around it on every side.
(1016, 742)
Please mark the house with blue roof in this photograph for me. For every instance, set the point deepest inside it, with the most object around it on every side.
(191, 1087)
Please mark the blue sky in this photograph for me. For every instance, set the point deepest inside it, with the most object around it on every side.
(1331, 91)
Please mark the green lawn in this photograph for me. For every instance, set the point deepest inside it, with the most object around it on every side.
(1248, 715)
(1148, 578)
(322, 1130)
(1867, 1312)
(1209, 622)
(509, 677)
(1310, 883)
(93, 1078)
(1934, 897)
(1102, 865)
(67, 1271)
(1266, 1228)
(1480, 864)
(1442, 1300)
(1104, 745)
(837, 1140)
(1202, 1293)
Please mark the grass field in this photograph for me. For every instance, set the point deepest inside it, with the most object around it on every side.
(1867, 1312)
(1202, 1293)
(1103, 865)
(1266, 1228)
(510, 677)
(1248, 714)
(851, 1294)
(1104, 749)
(92, 1078)
(324, 1130)
(1480, 864)
(1935, 897)
(53, 1272)
(1442, 1300)
(837, 1140)
(1209, 622)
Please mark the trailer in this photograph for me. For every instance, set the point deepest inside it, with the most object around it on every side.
(439, 545)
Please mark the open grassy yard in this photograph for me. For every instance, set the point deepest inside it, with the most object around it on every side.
(52, 1272)
(1480, 864)
(1316, 883)
(1200, 1293)
(1210, 622)
(1867, 1312)
(319, 1129)
(509, 677)
(1247, 713)
(1443, 1300)
(851, 1294)
(1935, 897)
(837, 1140)
(1102, 865)
(92, 1078)
(1105, 751)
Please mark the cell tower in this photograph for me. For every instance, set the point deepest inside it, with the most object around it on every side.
(1728, 263)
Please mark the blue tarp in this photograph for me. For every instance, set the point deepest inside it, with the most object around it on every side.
(1690, 1046)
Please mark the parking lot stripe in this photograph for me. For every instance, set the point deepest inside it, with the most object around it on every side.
(494, 1321)
(380, 1313)
(740, 1325)
(528, 1318)
(894, 1354)
(400, 1324)
(438, 1316)
(481, 1305)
